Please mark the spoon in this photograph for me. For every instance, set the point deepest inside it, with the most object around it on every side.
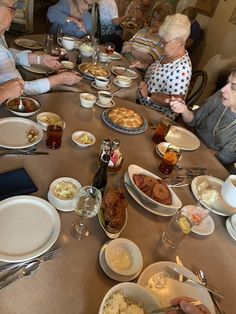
(21, 107)
(27, 270)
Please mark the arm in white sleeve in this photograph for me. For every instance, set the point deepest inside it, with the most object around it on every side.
(39, 86)
(20, 57)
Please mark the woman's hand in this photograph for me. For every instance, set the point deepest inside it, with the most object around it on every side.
(187, 307)
(78, 23)
(50, 61)
(137, 64)
(178, 105)
(127, 47)
(143, 89)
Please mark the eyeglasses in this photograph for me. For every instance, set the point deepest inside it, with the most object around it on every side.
(166, 42)
(12, 9)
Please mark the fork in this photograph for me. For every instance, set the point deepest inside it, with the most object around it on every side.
(43, 258)
(202, 277)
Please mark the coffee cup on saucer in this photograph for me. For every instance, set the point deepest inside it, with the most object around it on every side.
(123, 80)
(228, 191)
(66, 42)
(105, 97)
(101, 81)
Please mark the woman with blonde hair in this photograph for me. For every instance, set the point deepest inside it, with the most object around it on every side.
(71, 17)
(171, 75)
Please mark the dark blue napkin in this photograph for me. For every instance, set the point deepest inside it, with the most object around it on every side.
(16, 182)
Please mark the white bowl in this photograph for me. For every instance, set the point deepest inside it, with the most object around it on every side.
(46, 118)
(12, 103)
(87, 100)
(133, 292)
(76, 135)
(123, 80)
(60, 201)
(123, 257)
(67, 64)
(86, 50)
(134, 169)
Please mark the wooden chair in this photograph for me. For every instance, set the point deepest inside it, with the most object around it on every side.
(197, 86)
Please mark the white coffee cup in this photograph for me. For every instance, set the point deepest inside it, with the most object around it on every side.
(105, 97)
(228, 190)
(101, 81)
(123, 80)
(66, 42)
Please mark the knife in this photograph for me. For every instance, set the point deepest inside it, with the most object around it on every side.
(23, 153)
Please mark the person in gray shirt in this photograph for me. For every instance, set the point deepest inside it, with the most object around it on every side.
(215, 120)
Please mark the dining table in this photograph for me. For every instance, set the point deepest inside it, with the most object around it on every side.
(74, 282)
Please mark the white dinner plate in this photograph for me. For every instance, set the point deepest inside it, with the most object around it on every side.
(100, 88)
(127, 72)
(37, 68)
(49, 115)
(13, 132)
(157, 210)
(154, 278)
(109, 105)
(219, 207)
(182, 138)
(115, 56)
(29, 226)
(28, 43)
(115, 81)
(110, 273)
(205, 228)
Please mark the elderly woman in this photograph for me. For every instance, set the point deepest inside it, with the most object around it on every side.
(71, 17)
(9, 58)
(215, 120)
(171, 75)
(145, 45)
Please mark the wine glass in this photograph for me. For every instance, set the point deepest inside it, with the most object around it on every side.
(109, 48)
(87, 203)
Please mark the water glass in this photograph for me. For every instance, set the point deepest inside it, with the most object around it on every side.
(54, 136)
(87, 203)
(48, 43)
(170, 159)
(196, 213)
(163, 127)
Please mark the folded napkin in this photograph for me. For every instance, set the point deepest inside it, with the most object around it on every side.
(16, 182)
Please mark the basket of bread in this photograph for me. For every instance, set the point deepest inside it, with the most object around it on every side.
(113, 213)
(90, 70)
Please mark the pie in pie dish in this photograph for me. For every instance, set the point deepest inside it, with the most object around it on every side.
(126, 118)
(94, 69)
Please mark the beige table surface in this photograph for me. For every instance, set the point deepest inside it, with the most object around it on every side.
(129, 93)
(75, 283)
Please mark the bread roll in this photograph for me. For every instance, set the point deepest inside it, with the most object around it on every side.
(124, 117)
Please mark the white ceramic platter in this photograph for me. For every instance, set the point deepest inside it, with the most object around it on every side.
(205, 228)
(37, 68)
(182, 138)
(219, 207)
(156, 210)
(154, 278)
(29, 226)
(13, 132)
(28, 43)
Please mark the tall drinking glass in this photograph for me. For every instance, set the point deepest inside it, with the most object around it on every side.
(109, 48)
(48, 43)
(87, 203)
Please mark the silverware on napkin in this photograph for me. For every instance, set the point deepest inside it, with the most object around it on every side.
(172, 308)
(178, 181)
(174, 274)
(27, 153)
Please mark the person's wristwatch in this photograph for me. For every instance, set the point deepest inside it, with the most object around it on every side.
(68, 20)
(149, 97)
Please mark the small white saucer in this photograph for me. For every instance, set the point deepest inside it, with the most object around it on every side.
(111, 273)
(205, 228)
(63, 209)
(230, 228)
(110, 105)
(116, 83)
(101, 88)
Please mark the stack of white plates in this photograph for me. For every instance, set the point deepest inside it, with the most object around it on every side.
(231, 226)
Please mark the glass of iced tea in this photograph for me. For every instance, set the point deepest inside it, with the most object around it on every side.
(170, 159)
(54, 135)
(163, 127)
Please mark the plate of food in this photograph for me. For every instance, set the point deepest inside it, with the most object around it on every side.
(152, 188)
(31, 106)
(117, 70)
(17, 133)
(90, 70)
(28, 43)
(182, 138)
(113, 214)
(44, 119)
(159, 282)
(208, 189)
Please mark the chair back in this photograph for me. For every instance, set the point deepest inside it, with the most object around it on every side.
(197, 86)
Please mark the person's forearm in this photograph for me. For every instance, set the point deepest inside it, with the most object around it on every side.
(163, 99)
(119, 20)
(34, 58)
(187, 116)
(55, 80)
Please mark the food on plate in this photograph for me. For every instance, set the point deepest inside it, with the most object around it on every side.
(125, 117)
(65, 190)
(114, 210)
(154, 188)
(32, 135)
(30, 104)
(94, 69)
(50, 119)
(84, 139)
(207, 192)
(119, 303)
(120, 258)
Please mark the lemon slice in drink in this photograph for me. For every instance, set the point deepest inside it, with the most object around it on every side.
(184, 224)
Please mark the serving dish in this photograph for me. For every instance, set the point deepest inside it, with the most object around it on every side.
(76, 136)
(31, 106)
(46, 118)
